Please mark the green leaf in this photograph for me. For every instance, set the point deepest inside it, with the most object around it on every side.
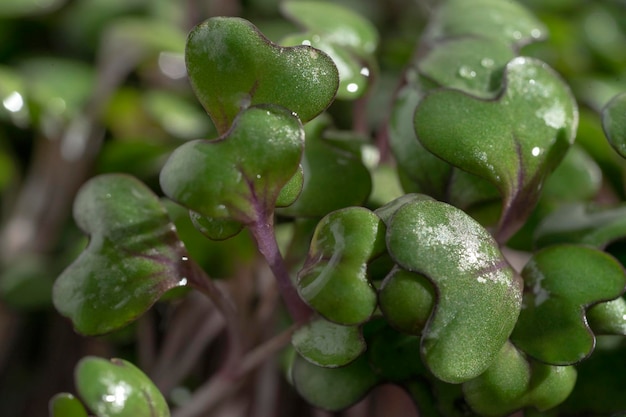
(608, 317)
(66, 405)
(406, 299)
(473, 65)
(327, 344)
(328, 166)
(512, 383)
(479, 296)
(231, 66)
(582, 223)
(334, 278)
(238, 176)
(429, 173)
(614, 123)
(561, 283)
(117, 388)
(500, 20)
(337, 24)
(577, 178)
(333, 389)
(513, 141)
(134, 256)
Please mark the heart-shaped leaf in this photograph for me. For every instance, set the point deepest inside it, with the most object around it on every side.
(333, 389)
(328, 344)
(513, 141)
(512, 383)
(587, 224)
(134, 255)
(327, 166)
(231, 66)
(501, 20)
(118, 388)
(479, 296)
(406, 299)
(334, 278)
(614, 123)
(240, 175)
(561, 283)
(66, 405)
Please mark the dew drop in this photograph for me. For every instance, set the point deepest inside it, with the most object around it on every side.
(535, 33)
(467, 73)
(306, 42)
(517, 35)
(486, 62)
(352, 88)
(365, 72)
(536, 151)
(258, 176)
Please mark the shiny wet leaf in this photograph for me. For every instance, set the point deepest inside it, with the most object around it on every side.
(134, 256)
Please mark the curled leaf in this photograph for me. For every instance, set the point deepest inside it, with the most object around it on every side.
(334, 278)
(478, 294)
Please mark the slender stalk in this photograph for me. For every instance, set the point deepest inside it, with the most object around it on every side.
(222, 384)
(201, 282)
(263, 232)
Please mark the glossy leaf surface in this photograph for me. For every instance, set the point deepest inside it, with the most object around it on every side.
(231, 66)
(117, 388)
(240, 175)
(614, 123)
(333, 280)
(561, 283)
(134, 256)
(333, 389)
(328, 166)
(513, 141)
(501, 20)
(479, 296)
(66, 405)
(512, 383)
(328, 344)
(473, 65)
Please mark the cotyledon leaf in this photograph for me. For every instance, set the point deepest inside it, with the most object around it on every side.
(232, 66)
(513, 382)
(614, 123)
(561, 282)
(514, 140)
(240, 175)
(478, 294)
(134, 255)
(117, 388)
(328, 344)
(507, 21)
(333, 279)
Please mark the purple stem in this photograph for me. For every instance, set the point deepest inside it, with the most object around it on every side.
(263, 232)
